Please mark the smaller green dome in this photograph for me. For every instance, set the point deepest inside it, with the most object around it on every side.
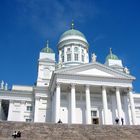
(112, 56)
(47, 49)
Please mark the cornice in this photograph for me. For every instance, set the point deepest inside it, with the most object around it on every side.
(61, 44)
(68, 69)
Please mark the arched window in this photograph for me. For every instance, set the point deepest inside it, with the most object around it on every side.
(76, 49)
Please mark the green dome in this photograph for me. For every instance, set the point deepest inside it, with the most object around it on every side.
(112, 56)
(72, 32)
(47, 49)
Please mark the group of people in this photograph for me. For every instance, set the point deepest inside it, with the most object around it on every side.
(16, 134)
(117, 121)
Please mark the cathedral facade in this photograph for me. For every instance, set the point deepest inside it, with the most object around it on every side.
(74, 90)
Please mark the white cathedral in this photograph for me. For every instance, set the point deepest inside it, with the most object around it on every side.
(74, 90)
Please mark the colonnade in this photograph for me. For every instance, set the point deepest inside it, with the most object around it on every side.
(57, 97)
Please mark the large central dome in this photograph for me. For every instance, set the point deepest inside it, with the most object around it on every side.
(71, 35)
(73, 48)
(72, 32)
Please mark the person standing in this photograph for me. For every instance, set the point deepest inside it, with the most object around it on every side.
(122, 120)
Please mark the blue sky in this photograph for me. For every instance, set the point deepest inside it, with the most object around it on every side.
(26, 25)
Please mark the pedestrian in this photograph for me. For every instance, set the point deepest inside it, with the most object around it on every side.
(19, 134)
(14, 135)
(59, 121)
(117, 120)
(122, 120)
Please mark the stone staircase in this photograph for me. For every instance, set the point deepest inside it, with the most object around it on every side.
(48, 131)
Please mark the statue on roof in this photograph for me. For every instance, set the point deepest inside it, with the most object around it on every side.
(2, 84)
(94, 57)
(126, 70)
(6, 86)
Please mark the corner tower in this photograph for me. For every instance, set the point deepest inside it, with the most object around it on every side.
(46, 65)
(73, 48)
(113, 61)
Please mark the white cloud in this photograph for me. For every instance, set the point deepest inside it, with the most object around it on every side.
(48, 17)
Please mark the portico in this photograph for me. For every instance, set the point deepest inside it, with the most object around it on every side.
(69, 97)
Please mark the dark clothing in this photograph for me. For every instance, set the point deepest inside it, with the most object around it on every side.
(122, 121)
(117, 120)
(59, 121)
(16, 134)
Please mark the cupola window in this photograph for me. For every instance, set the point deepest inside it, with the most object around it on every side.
(76, 57)
(62, 58)
(68, 49)
(62, 51)
(69, 57)
(82, 57)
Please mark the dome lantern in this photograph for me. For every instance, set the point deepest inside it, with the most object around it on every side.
(47, 49)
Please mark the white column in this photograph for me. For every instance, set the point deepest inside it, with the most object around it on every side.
(57, 103)
(10, 111)
(72, 54)
(105, 107)
(52, 108)
(132, 107)
(88, 105)
(126, 110)
(0, 111)
(119, 105)
(22, 104)
(73, 103)
(65, 54)
(113, 108)
(36, 109)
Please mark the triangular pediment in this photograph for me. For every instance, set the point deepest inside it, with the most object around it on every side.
(95, 70)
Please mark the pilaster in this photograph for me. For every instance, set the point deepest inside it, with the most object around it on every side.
(37, 99)
(133, 114)
(57, 102)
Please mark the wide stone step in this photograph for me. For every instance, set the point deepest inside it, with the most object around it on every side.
(48, 131)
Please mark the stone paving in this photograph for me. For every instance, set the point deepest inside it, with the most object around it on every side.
(48, 131)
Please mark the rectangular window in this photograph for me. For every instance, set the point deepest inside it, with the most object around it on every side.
(62, 51)
(63, 58)
(94, 113)
(137, 108)
(28, 120)
(68, 57)
(83, 58)
(76, 57)
(29, 108)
